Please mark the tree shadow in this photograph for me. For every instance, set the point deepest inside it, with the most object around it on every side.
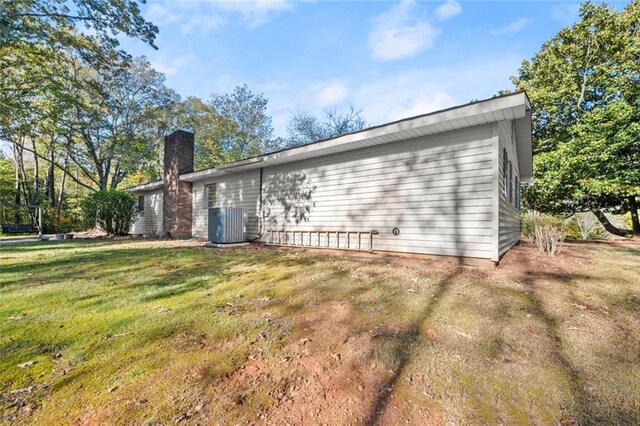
(584, 399)
(404, 351)
(287, 199)
(408, 341)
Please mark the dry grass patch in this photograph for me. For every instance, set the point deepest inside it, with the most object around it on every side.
(167, 332)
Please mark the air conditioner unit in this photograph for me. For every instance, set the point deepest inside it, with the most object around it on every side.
(226, 225)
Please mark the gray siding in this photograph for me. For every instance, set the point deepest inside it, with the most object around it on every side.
(150, 221)
(438, 190)
(509, 216)
(241, 190)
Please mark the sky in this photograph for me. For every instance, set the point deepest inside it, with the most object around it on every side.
(392, 60)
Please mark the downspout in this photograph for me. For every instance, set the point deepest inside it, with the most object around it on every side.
(495, 225)
(260, 213)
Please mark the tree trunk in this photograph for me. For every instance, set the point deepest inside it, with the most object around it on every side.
(51, 186)
(633, 207)
(61, 193)
(608, 225)
(17, 157)
(36, 173)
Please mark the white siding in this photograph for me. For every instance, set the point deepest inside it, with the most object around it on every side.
(438, 190)
(150, 221)
(240, 190)
(509, 216)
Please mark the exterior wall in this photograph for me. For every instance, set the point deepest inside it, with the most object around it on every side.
(509, 215)
(150, 222)
(240, 190)
(438, 190)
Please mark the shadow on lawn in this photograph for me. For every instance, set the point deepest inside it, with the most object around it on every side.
(406, 346)
(585, 402)
(585, 408)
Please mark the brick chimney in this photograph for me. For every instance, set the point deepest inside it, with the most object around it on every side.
(176, 205)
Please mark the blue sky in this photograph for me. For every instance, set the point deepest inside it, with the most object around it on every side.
(391, 59)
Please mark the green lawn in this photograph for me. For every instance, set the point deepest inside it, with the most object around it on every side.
(163, 332)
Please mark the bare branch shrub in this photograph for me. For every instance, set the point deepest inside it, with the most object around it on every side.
(549, 238)
(547, 232)
(587, 222)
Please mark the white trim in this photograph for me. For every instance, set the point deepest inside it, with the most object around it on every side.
(146, 186)
(470, 115)
(495, 217)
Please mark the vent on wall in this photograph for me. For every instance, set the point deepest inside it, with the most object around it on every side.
(226, 225)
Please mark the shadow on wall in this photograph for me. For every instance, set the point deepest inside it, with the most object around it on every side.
(439, 199)
(287, 199)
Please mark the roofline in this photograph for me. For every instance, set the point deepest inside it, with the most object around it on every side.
(146, 186)
(249, 163)
(377, 126)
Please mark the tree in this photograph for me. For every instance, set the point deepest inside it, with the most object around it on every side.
(117, 127)
(38, 38)
(304, 128)
(253, 131)
(51, 22)
(209, 128)
(584, 86)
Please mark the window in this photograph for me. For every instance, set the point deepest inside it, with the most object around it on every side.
(510, 182)
(517, 193)
(141, 203)
(505, 179)
(211, 196)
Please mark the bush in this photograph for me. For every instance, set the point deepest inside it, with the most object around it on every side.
(572, 229)
(526, 225)
(546, 231)
(549, 237)
(112, 211)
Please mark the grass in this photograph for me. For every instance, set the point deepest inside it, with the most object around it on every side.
(167, 332)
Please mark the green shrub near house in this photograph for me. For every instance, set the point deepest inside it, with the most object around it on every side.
(112, 211)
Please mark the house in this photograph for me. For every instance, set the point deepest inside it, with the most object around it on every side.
(445, 183)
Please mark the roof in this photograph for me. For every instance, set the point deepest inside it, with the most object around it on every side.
(514, 106)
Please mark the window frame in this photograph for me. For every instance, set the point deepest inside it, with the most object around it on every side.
(510, 182)
(208, 192)
(517, 189)
(505, 179)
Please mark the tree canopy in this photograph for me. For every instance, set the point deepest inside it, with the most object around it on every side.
(304, 128)
(584, 86)
(253, 132)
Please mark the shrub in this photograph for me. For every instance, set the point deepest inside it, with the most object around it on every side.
(587, 224)
(112, 211)
(549, 237)
(527, 229)
(571, 228)
(546, 231)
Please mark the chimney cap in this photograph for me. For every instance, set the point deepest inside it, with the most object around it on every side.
(178, 132)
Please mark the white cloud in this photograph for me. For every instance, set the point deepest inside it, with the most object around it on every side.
(433, 102)
(447, 10)
(258, 12)
(331, 94)
(171, 66)
(400, 32)
(207, 15)
(384, 97)
(512, 27)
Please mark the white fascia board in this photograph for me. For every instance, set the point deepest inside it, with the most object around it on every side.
(517, 105)
(146, 187)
